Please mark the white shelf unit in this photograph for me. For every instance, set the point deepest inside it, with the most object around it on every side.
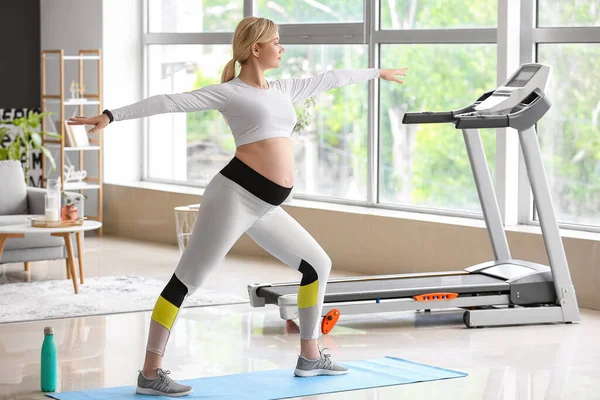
(53, 145)
(90, 183)
(55, 54)
(73, 102)
(80, 186)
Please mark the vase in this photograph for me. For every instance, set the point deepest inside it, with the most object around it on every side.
(52, 200)
(69, 213)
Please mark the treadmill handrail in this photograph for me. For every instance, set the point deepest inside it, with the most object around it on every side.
(532, 109)
(435, 117)
(522, 116)
(428, 117)
(475, 121)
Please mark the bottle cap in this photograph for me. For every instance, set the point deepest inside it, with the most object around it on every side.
(48, 330)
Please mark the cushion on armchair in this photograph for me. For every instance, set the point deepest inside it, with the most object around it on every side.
(13, 191)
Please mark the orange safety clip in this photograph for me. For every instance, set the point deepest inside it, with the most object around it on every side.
(442, 296)
(329, 320)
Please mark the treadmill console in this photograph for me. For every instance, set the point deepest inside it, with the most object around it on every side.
(515, 89)
(522, 76)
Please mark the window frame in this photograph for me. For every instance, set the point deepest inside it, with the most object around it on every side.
(531, 35)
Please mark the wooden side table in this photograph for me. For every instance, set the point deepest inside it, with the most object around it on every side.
(19, 231)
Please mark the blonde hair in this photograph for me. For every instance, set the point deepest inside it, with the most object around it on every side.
(249, 31)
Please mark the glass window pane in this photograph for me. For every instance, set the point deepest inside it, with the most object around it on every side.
(427, 165)
(187, 147)
(194, 15)
(569, 133)
(303, 11)
(555, 13)
(436, 14)
(331, 148)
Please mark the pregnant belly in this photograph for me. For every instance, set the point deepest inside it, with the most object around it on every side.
(272, 158)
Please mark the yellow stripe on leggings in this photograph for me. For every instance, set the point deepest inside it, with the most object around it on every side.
(164, 312)
(308, 295)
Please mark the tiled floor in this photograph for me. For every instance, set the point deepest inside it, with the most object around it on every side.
(528, 362)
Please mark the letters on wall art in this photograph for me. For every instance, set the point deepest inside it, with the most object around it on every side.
(8, 114)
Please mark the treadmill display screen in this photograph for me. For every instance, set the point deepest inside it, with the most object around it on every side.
(522, 77)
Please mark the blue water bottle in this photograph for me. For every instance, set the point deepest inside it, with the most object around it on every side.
(49, 362)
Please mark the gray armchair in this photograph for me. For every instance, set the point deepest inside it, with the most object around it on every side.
(18, 202)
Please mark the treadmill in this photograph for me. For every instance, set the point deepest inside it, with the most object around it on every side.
(505, 291)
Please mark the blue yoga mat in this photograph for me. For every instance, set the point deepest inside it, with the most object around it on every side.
(282, 384)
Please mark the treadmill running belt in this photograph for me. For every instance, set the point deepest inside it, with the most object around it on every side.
(395, 288)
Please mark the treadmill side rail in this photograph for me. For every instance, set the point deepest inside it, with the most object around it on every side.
(288, 307)
(515, 316)
(255, 299)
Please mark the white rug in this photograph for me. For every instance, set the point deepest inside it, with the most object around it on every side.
(106, 295)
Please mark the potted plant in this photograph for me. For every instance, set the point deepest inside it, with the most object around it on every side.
(69, 211)
(26, 136)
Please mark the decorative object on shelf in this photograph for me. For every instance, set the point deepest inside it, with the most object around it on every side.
(74, 176)
(77, 90)
(52, 200)
(74, 89)
(27, 136)
(69, 141)
(79, 135)
(73, 206)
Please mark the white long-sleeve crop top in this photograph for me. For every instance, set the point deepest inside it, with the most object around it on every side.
(252, 114)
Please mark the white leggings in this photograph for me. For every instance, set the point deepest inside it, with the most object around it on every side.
(238, 200)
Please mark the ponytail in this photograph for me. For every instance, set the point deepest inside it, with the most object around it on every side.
(250, 31)
(229, 71)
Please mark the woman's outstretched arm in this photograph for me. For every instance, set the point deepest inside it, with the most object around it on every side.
(212, 97)
(300, 89)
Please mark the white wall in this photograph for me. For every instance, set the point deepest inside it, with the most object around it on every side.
(123, 85)
(71, 25)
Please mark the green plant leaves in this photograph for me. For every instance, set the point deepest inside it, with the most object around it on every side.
(49, 157)
(36, 139)
(51, 134)
(14, 150)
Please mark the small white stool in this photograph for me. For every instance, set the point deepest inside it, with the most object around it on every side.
(185, 218)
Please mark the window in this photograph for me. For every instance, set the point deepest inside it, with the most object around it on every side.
(310, 11)
(194, 15)
(427, 165)
(330, 147)
(554, 13)
(434, 14)
(190, 147)
(451, 51)
(569, 133)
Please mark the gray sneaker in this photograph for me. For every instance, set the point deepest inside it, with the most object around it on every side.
(320, 366)
(162, 385)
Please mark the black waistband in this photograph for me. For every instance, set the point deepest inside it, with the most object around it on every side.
(263, 188)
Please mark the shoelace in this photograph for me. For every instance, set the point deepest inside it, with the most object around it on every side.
(325, 357)
(163, 375)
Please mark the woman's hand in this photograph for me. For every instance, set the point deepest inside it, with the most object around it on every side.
(99, 122)
(390, 74)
